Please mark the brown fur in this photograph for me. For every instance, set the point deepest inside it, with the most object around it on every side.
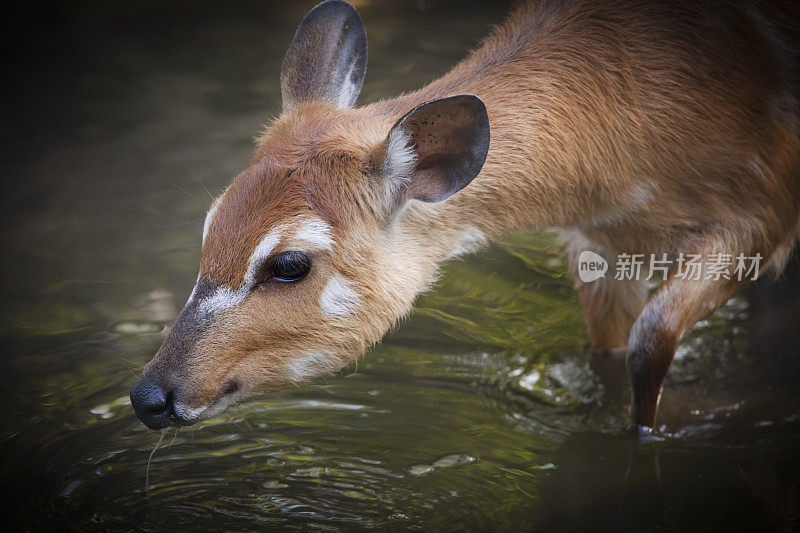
(639, 127)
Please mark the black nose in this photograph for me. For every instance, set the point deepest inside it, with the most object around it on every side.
(152, 403)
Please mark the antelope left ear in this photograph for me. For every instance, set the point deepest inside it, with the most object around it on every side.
(437, 148)
(327, 59)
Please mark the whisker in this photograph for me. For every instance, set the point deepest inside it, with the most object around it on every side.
(201, 183)
(192, 196)
(242, 423)
(175, 436)
(167, 226)
(183, 220)
(147, 470)
(133, 363)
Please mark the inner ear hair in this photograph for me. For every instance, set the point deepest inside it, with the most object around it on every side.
(437, 148)
(327, 59)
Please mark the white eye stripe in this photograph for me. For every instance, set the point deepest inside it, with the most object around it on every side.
(260, 254)
(224, 297)
(311, 231)
(316, 232)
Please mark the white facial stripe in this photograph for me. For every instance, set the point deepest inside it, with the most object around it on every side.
(339, 299)
(310, 364)
(223, 298)
(400, 160)
(210, 217)
(316, 232)
(311, 231)
(260, 254)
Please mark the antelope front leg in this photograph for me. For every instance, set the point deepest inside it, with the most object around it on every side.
(609, 306)
(673, 309)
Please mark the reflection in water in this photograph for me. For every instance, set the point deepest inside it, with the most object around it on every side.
(482, 410)
(726, 483)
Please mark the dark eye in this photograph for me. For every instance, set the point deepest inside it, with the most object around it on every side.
(289, 266)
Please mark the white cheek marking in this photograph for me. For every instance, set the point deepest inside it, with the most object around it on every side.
(338, 299)
(310, 364)
(220, 405)
(400, 160)
(316, 232)
(207, 411)
(469, 241)
(210, 217)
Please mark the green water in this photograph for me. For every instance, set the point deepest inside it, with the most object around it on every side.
(482, 411)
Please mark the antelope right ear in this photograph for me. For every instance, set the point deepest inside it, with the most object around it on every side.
(436, 149)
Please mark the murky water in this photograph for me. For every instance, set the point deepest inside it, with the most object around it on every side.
(481, 411)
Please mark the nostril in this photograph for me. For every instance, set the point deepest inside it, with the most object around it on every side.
(169, 404)
(161, 405)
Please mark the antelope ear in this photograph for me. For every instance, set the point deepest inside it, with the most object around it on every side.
(327, 59)
(437, 148)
